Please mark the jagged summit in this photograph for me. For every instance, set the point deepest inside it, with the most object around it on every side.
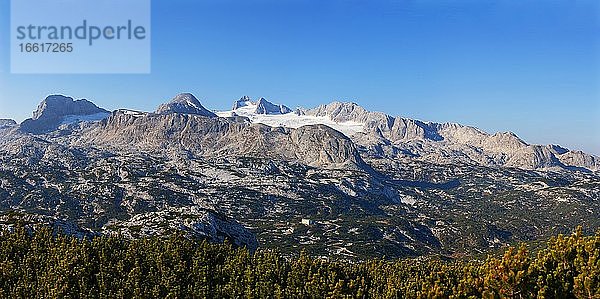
(242, 102)
(379, 134)
(57, 110)
(60, 105)
(265, 107)
(346, 111)
(184, 103)
(445, 143)
(368, 175)
(448, 142)
(318, 145)
(262, 106)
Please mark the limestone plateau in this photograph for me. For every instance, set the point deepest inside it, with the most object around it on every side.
(336, 180)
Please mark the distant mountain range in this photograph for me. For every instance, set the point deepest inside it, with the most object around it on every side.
(375, 184)
(374, 133)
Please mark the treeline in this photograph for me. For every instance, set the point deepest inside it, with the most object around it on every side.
(40, 265)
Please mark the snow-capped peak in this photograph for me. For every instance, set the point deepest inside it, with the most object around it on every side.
(245, 105)
(265, 107)
(56, 110)
(267, 113)
(242, 102)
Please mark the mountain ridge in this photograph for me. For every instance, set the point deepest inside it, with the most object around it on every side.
(221, 137)
(56, 110)
(371, 184)
(388, 134)
(261, 106)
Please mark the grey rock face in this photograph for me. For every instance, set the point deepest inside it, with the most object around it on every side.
(345, 111)
(194, 221)
(184, 103)
(148, 186)
(400, 187)
(242, 102)
(35, 221)
(265, 107)
(579, 159)
(450, 143)
(53, 110)
(316, 145)
(557, 149)
(262, 106)
(376, 123)
(98, 205)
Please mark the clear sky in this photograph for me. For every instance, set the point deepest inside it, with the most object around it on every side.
(531, 67)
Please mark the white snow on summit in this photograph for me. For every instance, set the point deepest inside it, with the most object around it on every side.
(133, 113)
(291, 120)
(70, 119)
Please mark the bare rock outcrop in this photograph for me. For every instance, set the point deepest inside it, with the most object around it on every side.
(262, 106)
(184, 103)
(58, 109)
(316, 145)
(450, 142)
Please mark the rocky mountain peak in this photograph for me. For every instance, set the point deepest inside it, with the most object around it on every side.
(316, 145)
(262, 106)
(242, 102)
(56, 110)
(506, 140)
(265, 107)
(449, 141)
(58, 105)
(184, 103)
(341, 111)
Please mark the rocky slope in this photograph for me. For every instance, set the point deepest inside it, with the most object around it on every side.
(318, 146)
(449, 142)
(87, 191)
(373, 185)
(58, 110)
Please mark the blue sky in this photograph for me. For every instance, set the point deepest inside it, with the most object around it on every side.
(531, 67)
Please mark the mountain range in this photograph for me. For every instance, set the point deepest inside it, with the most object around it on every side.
(371, 184)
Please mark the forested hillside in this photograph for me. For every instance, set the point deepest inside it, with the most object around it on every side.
(40, 265)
